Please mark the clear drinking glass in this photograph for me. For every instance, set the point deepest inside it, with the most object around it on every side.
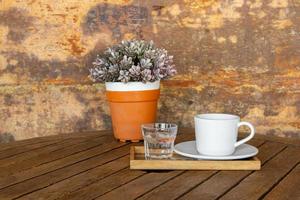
(159, 140)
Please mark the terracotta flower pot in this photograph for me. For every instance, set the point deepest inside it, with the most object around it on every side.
(132, 104)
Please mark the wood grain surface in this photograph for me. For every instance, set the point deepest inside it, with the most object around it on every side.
(96, 166)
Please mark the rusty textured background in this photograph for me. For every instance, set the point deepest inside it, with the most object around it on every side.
(235, 56)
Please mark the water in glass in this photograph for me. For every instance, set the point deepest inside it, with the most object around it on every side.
(159, 140)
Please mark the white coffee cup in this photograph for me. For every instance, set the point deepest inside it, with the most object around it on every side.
(216, 134)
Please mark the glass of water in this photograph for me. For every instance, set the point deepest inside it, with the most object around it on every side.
(159, 140)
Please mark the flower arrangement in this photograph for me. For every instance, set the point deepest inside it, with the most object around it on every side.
(133, 61)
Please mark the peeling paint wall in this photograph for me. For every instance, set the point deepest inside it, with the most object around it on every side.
(238, 56)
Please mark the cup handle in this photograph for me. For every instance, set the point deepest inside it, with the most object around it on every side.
(252, 132)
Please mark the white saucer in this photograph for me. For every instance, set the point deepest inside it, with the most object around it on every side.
(188, 149)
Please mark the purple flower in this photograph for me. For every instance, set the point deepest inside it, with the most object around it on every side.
(135, 60)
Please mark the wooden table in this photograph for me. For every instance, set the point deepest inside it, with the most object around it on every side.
(95, 166)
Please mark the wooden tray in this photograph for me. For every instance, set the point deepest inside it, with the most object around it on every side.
(177, 162)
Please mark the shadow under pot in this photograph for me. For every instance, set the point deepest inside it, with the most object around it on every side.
(131, 105)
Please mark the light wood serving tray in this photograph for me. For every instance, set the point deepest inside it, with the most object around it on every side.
(177, 162)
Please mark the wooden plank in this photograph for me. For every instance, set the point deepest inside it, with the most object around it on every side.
(146, 183)
(288, 188)
(128, 175)
(39, 182)
(78, 181)
(185, 136)
(47, 154)
(103, 186)
(192, 179)
(19, 150)
(30, 154)
(224, 180)
(179, 185)
(25, 152)
(259, 182)
(25, 145)
(178, 162)
(59, 163)
(108, 183)
(286, 140)
(21, 143)
(140, 185)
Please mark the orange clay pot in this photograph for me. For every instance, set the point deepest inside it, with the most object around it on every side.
(131, 107)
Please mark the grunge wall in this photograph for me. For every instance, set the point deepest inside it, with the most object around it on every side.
(234, 56)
